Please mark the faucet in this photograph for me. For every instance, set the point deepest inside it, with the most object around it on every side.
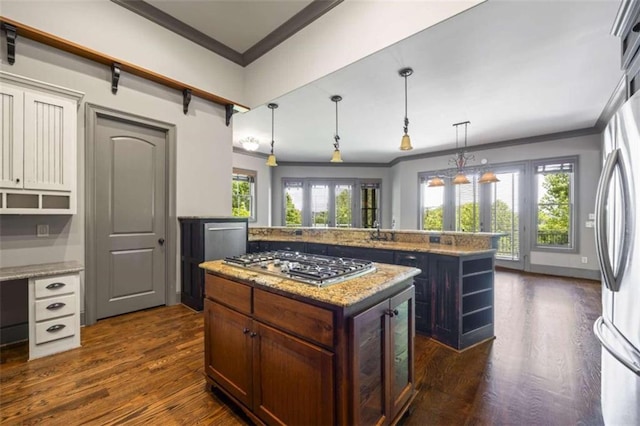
(376, 235)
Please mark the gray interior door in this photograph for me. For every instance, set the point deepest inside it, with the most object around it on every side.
(130, 217)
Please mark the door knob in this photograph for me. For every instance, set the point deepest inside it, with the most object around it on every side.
(161, 241)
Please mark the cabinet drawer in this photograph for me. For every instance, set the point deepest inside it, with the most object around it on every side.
(55, 286)
(230, 293)
(57, 328)
(55, 307)
(305, 320)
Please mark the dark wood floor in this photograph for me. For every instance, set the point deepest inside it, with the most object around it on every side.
(147, 367)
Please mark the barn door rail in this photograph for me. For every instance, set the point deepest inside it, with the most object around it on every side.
(13, 29)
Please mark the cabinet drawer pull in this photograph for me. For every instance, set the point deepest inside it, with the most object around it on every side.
(56, 305)
(253, 334)
(245, 330)
(56, 327)
(410, 257)
(54, 286)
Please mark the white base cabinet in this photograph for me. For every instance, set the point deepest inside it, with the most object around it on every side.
(54, 314)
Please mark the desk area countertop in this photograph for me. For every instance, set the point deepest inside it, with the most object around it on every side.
(10, 273)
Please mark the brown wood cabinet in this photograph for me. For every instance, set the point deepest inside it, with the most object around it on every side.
(292, 361)
(383, 373)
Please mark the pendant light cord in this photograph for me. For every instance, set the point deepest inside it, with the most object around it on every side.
(336, 145)
(406, 120)
(272, 119)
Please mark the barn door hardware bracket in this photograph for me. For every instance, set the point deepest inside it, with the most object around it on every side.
(186, 99)
(228, 108)
(115, 77)
(11, 42)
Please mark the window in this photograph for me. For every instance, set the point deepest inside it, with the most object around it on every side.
(505, 213)
(432, 209)
(293, 195)
(330, 202)
(243, 194)
(467, 206)
(319, 205)
(554, 186)
(369, 204)
(343, 204)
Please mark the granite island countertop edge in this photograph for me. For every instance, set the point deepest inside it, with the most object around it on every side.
(344, 294)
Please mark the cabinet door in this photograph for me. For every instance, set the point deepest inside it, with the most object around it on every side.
(444, 277)
(401, 335)
(228, 354)
(293, 380)
(11, 137)
(49, 143)
(370, 366)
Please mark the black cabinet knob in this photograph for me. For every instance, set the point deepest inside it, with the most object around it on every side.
(161, 241)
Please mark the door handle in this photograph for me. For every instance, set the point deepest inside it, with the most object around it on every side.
(611, 281)
(161, 241)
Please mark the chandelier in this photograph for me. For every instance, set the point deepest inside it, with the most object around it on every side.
(461, 168)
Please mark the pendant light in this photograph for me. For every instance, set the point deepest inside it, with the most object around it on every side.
(336, 158)
(271, 160)
(461, 158)
(436, 181)
(488, 177)
(405, 145)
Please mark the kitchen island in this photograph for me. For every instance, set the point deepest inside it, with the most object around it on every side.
(293, 353)
(454, 290)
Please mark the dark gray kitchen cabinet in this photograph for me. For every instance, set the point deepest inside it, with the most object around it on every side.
(422, 287)
(627, 27)
(374, 255)
(462, 299)
(197, 237)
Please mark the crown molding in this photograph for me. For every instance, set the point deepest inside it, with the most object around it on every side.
(306, 16)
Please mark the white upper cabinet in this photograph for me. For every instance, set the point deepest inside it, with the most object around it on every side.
(38, 157)
(11, 142)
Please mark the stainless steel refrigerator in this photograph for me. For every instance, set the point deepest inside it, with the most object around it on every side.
(618, 248)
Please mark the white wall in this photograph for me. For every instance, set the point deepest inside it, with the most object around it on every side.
(110, 29)
(587, 148)
(330, 172)
(263, 188)
(204, 152)
(319, 49)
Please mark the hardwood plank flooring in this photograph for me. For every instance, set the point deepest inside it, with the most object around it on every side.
(147, 368)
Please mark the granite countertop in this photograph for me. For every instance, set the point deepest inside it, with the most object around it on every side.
(390, 245)
(344, 294)
(38, 270)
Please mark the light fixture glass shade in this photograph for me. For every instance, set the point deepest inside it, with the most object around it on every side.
(436, 181)
(405, 145)
(271, 160)
(460, 179)
(488, 177)
(336, 157)
(250, 144)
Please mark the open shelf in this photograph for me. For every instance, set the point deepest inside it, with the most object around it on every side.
(477, 319)
(477, 282)
(479, 300)
(473, 266)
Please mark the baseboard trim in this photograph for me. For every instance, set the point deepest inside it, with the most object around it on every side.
(561, 271)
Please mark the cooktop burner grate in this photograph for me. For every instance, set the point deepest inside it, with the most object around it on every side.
(309, 268)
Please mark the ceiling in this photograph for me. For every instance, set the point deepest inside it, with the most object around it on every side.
(238, 30)
(514, 69)
(237, 24)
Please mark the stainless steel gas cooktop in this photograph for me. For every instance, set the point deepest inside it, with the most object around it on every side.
(313, 269)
